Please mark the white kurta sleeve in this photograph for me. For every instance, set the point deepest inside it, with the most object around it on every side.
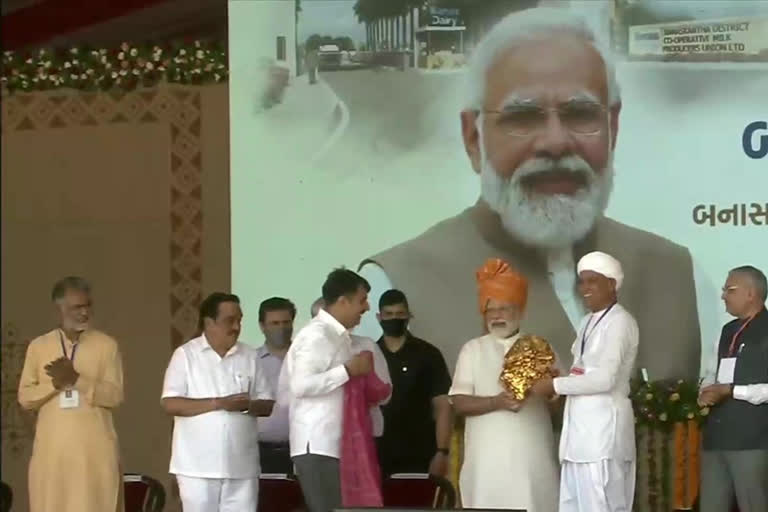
(463, 376)
(175, 382)
(380, 283)
(620, 335)
(756, 394)
(309, 372)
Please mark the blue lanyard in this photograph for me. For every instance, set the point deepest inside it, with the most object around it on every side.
(585, 336)
(64, 349)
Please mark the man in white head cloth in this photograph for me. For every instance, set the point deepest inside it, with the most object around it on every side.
(597, 444)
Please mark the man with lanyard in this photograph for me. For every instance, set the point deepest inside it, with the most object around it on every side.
(73, 379)
(736, 432)
(418, 419)
(597, 444)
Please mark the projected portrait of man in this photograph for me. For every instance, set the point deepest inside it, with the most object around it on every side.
(540, 126)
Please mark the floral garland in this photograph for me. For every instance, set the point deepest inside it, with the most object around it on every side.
(126, 67)
(661, 404)
(669, 411)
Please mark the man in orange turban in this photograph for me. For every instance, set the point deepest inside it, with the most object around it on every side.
(509, 456)
(497, 281)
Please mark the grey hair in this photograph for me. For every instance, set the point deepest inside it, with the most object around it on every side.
(68, 283)
(536, 24)
(756, 276)
(316, 307)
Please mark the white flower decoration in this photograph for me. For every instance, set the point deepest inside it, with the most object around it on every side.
(121, 56)
(134, 52)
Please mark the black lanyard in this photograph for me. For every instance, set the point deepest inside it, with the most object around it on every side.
(64, 349)
(585, 336)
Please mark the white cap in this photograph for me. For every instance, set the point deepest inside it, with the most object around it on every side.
(603, 264)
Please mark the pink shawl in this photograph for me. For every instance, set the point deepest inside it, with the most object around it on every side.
(359, 465)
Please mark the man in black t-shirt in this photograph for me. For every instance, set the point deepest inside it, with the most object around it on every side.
(417, 419)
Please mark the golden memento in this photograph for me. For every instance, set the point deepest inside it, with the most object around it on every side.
(528, 360)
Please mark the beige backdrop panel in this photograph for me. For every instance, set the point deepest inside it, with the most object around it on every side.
(89, 205)
(123, 189)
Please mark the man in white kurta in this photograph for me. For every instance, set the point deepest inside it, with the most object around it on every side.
(597, 444)
(215, 389)
(509, 448)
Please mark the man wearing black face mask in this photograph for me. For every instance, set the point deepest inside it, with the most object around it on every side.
(276, 317)
(417, 419)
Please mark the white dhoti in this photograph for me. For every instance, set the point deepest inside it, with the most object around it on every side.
(218, 494)
(604, 486)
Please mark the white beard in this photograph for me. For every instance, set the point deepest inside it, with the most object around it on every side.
(502, 331)
(546, 221)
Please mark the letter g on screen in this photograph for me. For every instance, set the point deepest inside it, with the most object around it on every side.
(755, 143)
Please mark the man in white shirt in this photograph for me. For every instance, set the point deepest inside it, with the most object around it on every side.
(380, 368)
(318, 364)
(597, 444)
(215, 389)
(509, 447)
(734, 459)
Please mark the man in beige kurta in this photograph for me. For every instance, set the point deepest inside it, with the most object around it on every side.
(73, 378)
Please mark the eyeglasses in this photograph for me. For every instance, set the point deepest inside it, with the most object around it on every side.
(582, 118)
(729, 289)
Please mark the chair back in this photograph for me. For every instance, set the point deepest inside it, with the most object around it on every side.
(418, 490)
(279, 493)
(143, 493)
(6, 497)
